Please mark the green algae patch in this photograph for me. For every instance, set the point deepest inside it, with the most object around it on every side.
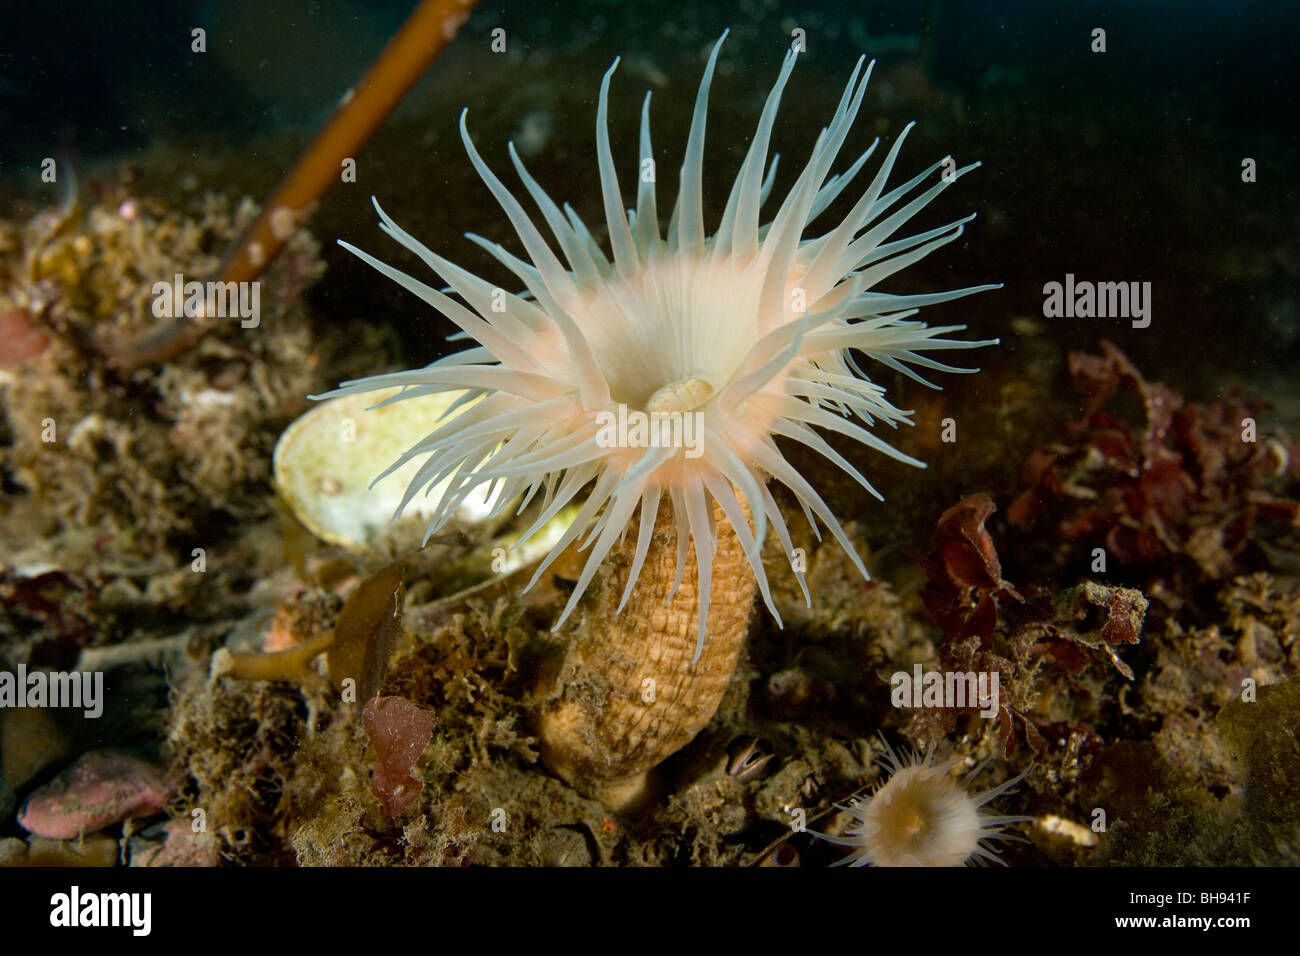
(1160, 816)
(1265, 735)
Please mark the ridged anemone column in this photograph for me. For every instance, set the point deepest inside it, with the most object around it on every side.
(627, 692)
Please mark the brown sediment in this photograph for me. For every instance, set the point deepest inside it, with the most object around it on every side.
(628, 692)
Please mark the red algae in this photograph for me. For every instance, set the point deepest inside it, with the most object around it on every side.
(20, 338)
(400, 731)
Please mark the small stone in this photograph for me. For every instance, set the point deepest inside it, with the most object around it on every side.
(566, 848)
(100, 789)
(181, 846)
(95, 851)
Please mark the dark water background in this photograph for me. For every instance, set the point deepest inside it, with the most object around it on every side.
(1119, 166)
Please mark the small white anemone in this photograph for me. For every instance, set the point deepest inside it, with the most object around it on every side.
(923, 816)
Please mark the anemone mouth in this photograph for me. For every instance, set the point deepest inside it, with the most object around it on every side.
(682, 396)
(909, 826)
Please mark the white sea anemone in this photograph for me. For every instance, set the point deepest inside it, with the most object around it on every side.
(922, 816)
(753, 328)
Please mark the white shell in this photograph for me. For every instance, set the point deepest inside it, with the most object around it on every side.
(327, 459)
